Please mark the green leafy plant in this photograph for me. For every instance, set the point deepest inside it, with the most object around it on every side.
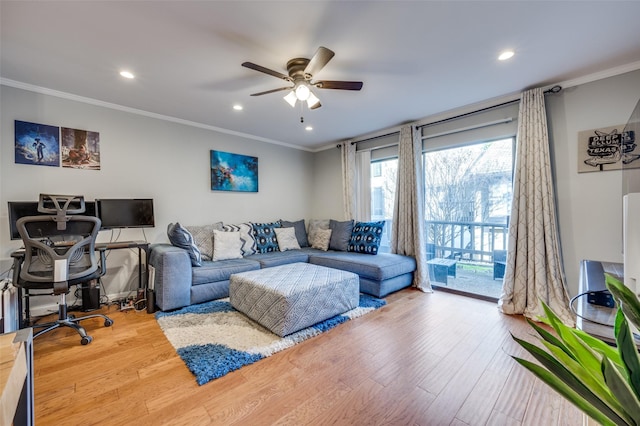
(602, 381)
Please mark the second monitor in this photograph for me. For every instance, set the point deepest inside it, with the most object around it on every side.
(125, 213)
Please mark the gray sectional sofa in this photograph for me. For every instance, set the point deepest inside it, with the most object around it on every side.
(181, 280)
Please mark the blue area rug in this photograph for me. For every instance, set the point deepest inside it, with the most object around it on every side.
(214, 339)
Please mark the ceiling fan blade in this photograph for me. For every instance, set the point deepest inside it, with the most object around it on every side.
(341, 85)
(316, 106)
(260, 68)
(271, 91)
(319, 60)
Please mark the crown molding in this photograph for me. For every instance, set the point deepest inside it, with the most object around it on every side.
(96, 102)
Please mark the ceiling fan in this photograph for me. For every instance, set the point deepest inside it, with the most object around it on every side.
(300, 74)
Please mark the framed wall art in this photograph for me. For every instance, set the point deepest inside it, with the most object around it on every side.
(37, 144)
(608, 148)
(233, 172)
(80, 149)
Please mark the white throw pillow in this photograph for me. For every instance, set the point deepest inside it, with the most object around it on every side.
(314, 226)
(321, 240)
(287, 239)
(226, 245)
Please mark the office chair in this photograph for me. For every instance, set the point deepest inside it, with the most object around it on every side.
(59, 253)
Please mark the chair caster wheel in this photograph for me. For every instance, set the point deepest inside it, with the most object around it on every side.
(86, 340)
(108, 322)
(71, 316)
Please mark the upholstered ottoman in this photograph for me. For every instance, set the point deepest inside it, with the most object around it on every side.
(291, 297)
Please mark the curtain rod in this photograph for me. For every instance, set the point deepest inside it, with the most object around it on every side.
(553, 89)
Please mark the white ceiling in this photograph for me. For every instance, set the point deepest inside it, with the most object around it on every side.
(416, 58)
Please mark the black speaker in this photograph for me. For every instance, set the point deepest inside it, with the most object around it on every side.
(151, 301)
(90, 296)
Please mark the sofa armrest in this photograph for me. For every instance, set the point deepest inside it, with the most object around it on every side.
(172, 282)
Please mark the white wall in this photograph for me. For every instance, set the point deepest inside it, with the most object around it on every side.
(145, 157)
(327, 185)
(589, 204)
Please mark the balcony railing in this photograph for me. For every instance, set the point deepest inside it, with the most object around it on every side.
(470, 241)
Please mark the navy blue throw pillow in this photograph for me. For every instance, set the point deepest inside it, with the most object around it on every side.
(180, 237)
(266, 240)
(366, 236)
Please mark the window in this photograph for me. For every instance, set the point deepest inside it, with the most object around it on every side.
(383, 189)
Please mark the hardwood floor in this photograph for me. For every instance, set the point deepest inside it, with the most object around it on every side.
(424, 359)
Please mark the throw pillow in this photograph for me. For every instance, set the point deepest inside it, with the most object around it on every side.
(301, 231)
(287, 239)
(180, 237)
(203, 236)
(266, 239)
(226, 245)
(340, 234)
(246, 237)
(322, 238)
(366, 237)
(314, 226)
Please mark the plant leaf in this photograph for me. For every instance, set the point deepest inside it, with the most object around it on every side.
(560, 374)
(547, 336)
(597, 344)
(626, 299)
(571, 395)
(621, 390)
(597, 385)
(586, 356)
(628, 352)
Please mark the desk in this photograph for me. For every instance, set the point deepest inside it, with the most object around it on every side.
(140, 245)
(16, 378)
(440, 269)
(596, 320)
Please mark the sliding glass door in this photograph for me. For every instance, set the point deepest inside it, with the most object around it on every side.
(468, 192)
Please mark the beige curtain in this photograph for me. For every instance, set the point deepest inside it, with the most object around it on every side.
(363, 186)
(348, 151)
(407, 235)
(534, 268)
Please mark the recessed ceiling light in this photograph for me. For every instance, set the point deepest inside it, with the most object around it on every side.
(507, 54)
(238, 107)
(308, 128)
(127, 74)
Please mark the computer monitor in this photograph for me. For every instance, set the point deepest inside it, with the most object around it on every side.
(18, 209)
(125, 213)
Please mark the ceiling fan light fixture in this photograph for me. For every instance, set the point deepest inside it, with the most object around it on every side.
(291, 98)
(302, 92)
(312, 100)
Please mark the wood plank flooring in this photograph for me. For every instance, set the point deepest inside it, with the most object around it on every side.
(424, 359)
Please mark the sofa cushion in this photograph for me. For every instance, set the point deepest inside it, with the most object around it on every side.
(301, 231)
(321, 239)
(316, 225)
(181, 237)
(379, 267)
(246, 237)
(265, 236)
(340, 234)
(366, 237)
(221, 270)
(203, 236)
(277, 258)
(287, 239)
(226, 245)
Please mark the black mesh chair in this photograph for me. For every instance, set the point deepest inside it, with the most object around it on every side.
(60, 253)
